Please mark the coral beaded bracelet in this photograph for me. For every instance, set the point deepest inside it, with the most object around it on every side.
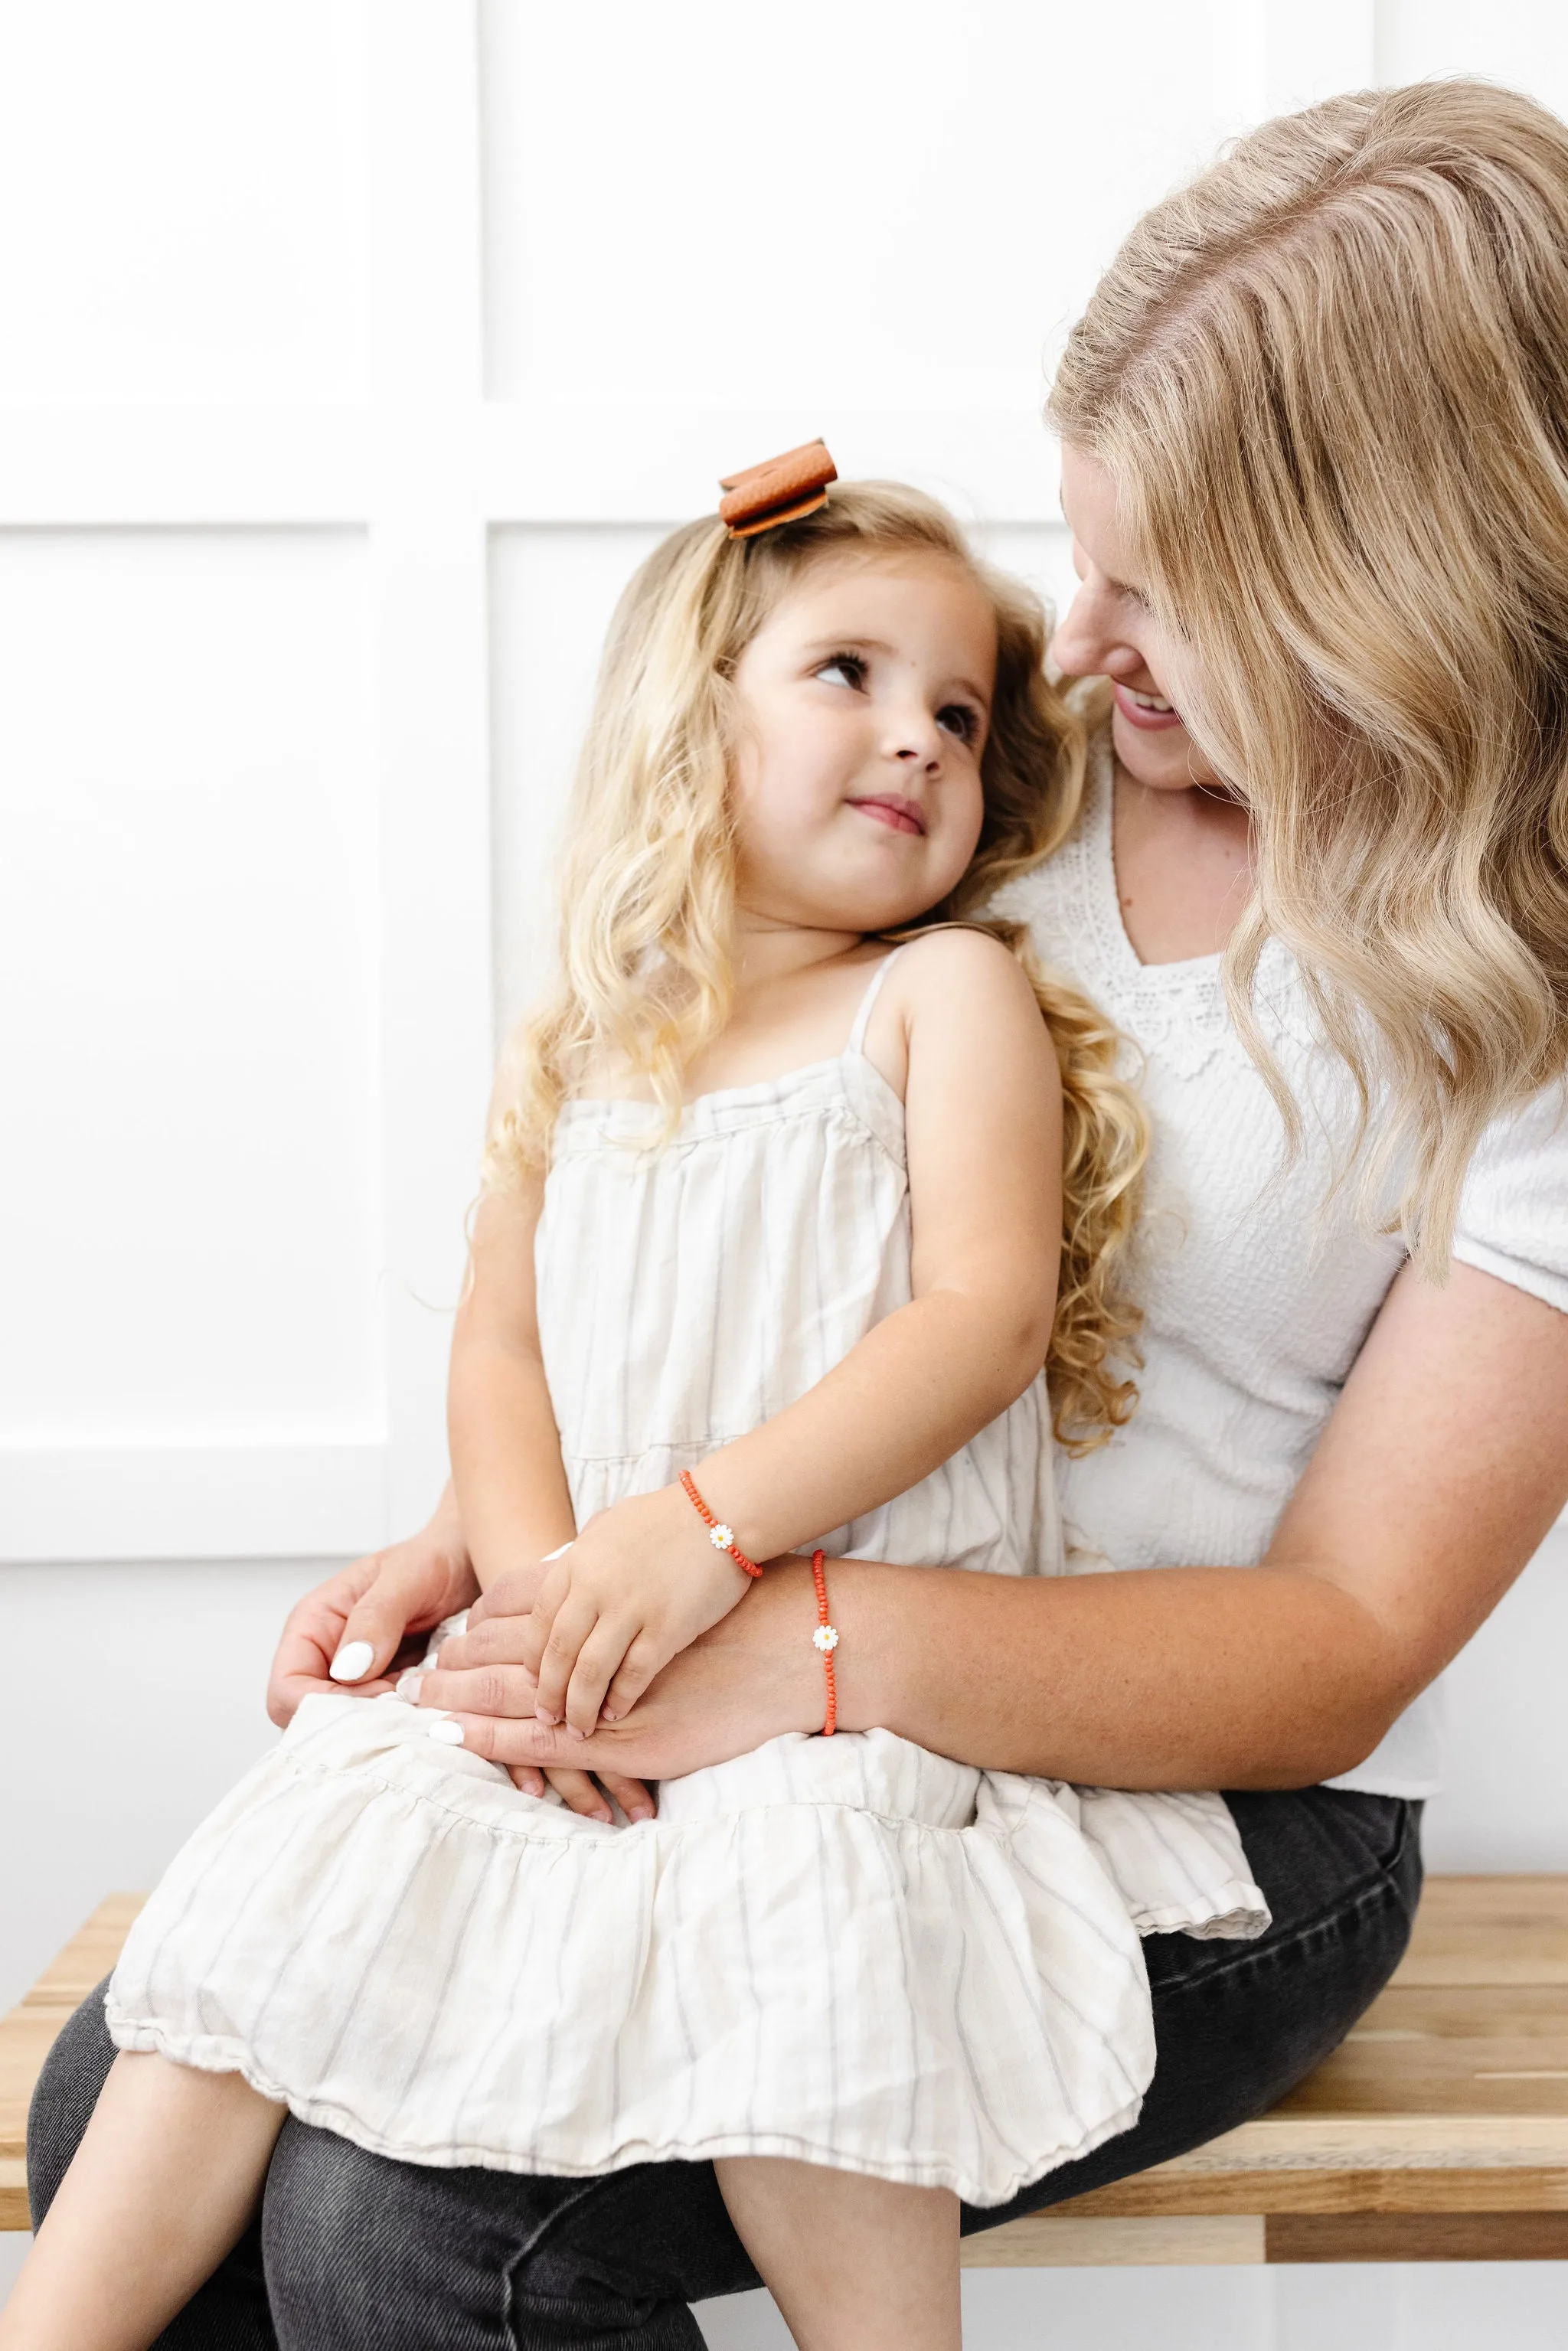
(721, 1536)
(825, 1638)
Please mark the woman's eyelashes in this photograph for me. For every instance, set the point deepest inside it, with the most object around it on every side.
(958, 718)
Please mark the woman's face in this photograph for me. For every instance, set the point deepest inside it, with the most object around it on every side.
(1108, 630)
(863, 700)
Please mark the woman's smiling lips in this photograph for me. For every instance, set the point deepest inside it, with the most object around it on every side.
(1146, 710)
(893, 811)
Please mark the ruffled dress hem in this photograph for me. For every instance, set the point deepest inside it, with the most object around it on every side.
(211, 2054)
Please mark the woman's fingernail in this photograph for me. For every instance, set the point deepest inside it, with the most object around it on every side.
(541, 1714)
(640, 1812)
(572, 1731)
(605, 1715)
(353, 1661)
(409, 1685)
(447, 1732)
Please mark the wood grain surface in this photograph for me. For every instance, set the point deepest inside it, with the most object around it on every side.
(1438, 2132)
(27, 2034)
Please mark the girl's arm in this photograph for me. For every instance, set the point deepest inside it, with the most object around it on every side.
(983, 1118)
(983, 1136)
(1443, 1467)
(511, 1487)
(513, 1502)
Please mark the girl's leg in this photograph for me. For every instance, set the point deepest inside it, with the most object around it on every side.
(167, 2176)
(854, 2264)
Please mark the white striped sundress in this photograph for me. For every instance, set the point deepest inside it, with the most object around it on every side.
(845, 1950)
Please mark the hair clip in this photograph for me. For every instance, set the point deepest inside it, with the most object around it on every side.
(780, 490)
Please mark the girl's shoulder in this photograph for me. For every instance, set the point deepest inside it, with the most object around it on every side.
(957, 981)
(955, 971)
(971, 956)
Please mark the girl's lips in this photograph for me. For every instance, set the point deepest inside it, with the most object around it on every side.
(899, 815)
(1152, 721)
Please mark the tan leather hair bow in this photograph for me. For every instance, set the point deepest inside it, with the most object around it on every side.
(781, 489)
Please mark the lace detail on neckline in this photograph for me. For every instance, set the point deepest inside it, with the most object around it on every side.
(1176, 1012)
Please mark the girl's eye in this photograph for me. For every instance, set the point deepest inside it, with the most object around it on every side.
(959, 719)
(849, 667)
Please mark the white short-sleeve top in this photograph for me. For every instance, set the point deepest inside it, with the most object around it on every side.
(1260, 1283)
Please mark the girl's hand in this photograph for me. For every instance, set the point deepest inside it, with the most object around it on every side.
(753, 1674)
(637, 1587)
(580, 1791)
(341, 1639)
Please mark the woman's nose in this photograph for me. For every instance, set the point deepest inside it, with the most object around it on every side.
(1085, 642)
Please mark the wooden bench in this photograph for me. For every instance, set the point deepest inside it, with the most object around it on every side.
(1439, 2132)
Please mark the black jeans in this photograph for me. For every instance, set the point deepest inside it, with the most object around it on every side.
(355, 2252)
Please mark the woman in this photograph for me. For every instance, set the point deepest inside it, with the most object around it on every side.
(1316, 467)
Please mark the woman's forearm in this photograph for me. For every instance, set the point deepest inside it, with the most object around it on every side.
(1439, 1472)
(1174, 1678)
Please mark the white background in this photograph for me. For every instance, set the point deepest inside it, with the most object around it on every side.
(353, 355)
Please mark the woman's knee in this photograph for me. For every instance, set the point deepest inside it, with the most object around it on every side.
(73, 2074)
(485, 2259)
(349, 2236)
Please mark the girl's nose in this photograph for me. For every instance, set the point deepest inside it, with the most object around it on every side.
(915, 739)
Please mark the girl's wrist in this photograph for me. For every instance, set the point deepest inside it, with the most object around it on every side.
(740, 1500)
(445, 1528)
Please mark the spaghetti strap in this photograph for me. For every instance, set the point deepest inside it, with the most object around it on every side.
(868, 1001)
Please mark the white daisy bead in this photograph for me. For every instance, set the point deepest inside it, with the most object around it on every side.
(721, 1536)
(825, 1637)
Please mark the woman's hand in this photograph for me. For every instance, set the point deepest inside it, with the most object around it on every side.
(342, 1638)
(640, 1583)
(752, 1676)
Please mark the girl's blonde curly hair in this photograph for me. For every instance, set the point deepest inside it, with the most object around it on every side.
(648, 884)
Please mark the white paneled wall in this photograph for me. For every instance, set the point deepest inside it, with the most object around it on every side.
(189, 924)
(356, 351)
(183, 193)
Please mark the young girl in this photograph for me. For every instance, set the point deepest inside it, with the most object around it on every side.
(766, 1257)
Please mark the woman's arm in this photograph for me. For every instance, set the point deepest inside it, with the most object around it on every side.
(1442, 1467)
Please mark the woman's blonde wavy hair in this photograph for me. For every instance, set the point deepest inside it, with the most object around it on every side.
(648, 881)
(1329, 381)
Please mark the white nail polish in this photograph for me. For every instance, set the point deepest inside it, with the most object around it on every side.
(351, 1662)
(447, 1732)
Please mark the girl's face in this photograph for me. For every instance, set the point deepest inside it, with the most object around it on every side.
(1108, 630)
(864, 704)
